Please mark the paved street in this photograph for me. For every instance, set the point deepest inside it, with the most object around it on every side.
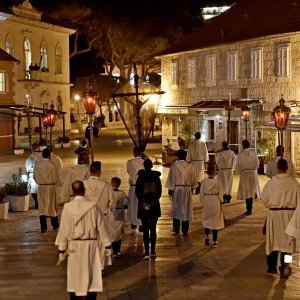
(184, 267)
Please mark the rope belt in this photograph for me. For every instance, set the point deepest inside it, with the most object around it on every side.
(226, 169)
(248, 169)
(197, 160)
(282, 208)
(132, 185)
(47, 183)
(91, 239)
(210, 194)
(182, 185)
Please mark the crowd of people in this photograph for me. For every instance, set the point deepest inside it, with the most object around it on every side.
(92, 221)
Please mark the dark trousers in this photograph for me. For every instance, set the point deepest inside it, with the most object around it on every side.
(34, 196)
(185, 225)
(214, 231)
(149, 226)
(249, 204)
(272, 261)
(116, 246)
(43, 222)
(89, 296)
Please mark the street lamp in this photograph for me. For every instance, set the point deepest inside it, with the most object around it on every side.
(51, 117)
(229, 108)
(45, 124)
(89, 100)
(281, 115)
(246, 116)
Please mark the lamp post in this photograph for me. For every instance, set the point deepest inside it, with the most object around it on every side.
(28, 111)
(281, 115)
(229, 108)
(246, 116)
(45, 124)
(89, 100)
(51, 117)
(77, 98)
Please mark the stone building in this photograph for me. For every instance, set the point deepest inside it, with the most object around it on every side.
(8, 79)
(41, 45)
(250, 53)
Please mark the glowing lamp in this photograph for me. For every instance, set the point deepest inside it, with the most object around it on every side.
(281, 115)
(246, 113)
(51, 116)
(45, 120)
(89, 100)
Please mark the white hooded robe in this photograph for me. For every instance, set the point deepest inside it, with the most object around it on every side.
(32, 159)
(272, 167)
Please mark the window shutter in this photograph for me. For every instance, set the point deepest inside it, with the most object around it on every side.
(191, 72)
(174, 75)
(284, 62)
(279, 71)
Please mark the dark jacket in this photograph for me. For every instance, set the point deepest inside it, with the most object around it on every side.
(148, 191)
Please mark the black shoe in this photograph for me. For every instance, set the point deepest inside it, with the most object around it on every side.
(228, 198)
(146, 256)
(247, 213)
(43, 230)
(286, 272)
(271, 272)
(56, 227)
(185, 234)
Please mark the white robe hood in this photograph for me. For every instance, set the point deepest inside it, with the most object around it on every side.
(281, 184)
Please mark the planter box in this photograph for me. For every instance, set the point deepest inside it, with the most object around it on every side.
(66, 145)
(57, 146)
(151, 146)
(18, 203)
(4, 210)
(18, 151)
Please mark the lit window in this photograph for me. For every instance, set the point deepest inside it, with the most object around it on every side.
(27, 49)
(9, 46)
(58, 60)
(283, 60)
(44, 58)
(174, 72)
(191, 72)
(210, 70)
(256, 63)
(2, 82)
(232, 66)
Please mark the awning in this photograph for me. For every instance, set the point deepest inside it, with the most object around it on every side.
(173, 109)
(221, 103)
(12, 108)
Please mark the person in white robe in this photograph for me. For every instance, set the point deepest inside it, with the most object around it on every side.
(133, 166)
(246, 166)
(79, 172)
(117, 218)
(226, 161)
(272, 164)
(46, 176)
(211, 195)
(100, 192)
(81, 235)
(281, 195)
(180, 182)
(198, 156)
(33, 158)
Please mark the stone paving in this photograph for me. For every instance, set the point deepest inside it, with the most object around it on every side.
(184, 267)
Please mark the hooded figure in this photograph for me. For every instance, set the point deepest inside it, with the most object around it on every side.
(281, 196)
(82, 234)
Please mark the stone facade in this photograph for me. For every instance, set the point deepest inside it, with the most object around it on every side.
(268, 89)
(42, 88)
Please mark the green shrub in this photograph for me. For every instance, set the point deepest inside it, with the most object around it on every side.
(16, 186)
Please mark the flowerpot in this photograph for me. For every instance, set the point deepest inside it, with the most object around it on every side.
(66, 145)
(57, 146)
(18, 151)
(4, 210)
(18, 203)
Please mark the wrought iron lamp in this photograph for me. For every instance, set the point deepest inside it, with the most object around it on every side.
(51, 118)
(246, 117)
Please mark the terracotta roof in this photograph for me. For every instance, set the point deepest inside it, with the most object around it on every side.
(4, 56)
(245, 20)
(222, 103)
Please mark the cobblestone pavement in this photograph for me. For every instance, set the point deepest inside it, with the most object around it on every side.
(184, 267)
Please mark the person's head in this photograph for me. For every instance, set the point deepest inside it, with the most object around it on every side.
(46, 153)
(148, 164)
(78, 188)
(181, 154)
(84, 158)
(197, 135)
(211, 171)
(225, 145)
(95, 168)
(115, 182)
(245, 144)
(137, 152)
(279, 149)
(83, 144)
(282, 166)
(35, 147)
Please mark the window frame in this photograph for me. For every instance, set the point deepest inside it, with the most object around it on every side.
(210, 69)
(44, 56)
(9, 45)
(281, 73)
(28, 57)
(174, 73)
(191, 72)
(256, 64)
(58, 60)
(232, 57)
(3, 82)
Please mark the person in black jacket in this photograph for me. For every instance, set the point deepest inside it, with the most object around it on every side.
(148, 191)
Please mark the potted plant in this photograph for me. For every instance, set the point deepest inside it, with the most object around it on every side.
(18, 151)
(4, 204)
(59, 141)
(66, 142)
(17, 192)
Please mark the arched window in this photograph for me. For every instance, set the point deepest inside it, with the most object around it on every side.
(27, 50)
(9, 46)
(44, 57)
(58, 60)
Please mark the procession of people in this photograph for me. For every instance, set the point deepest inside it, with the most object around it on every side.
(92, 222)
